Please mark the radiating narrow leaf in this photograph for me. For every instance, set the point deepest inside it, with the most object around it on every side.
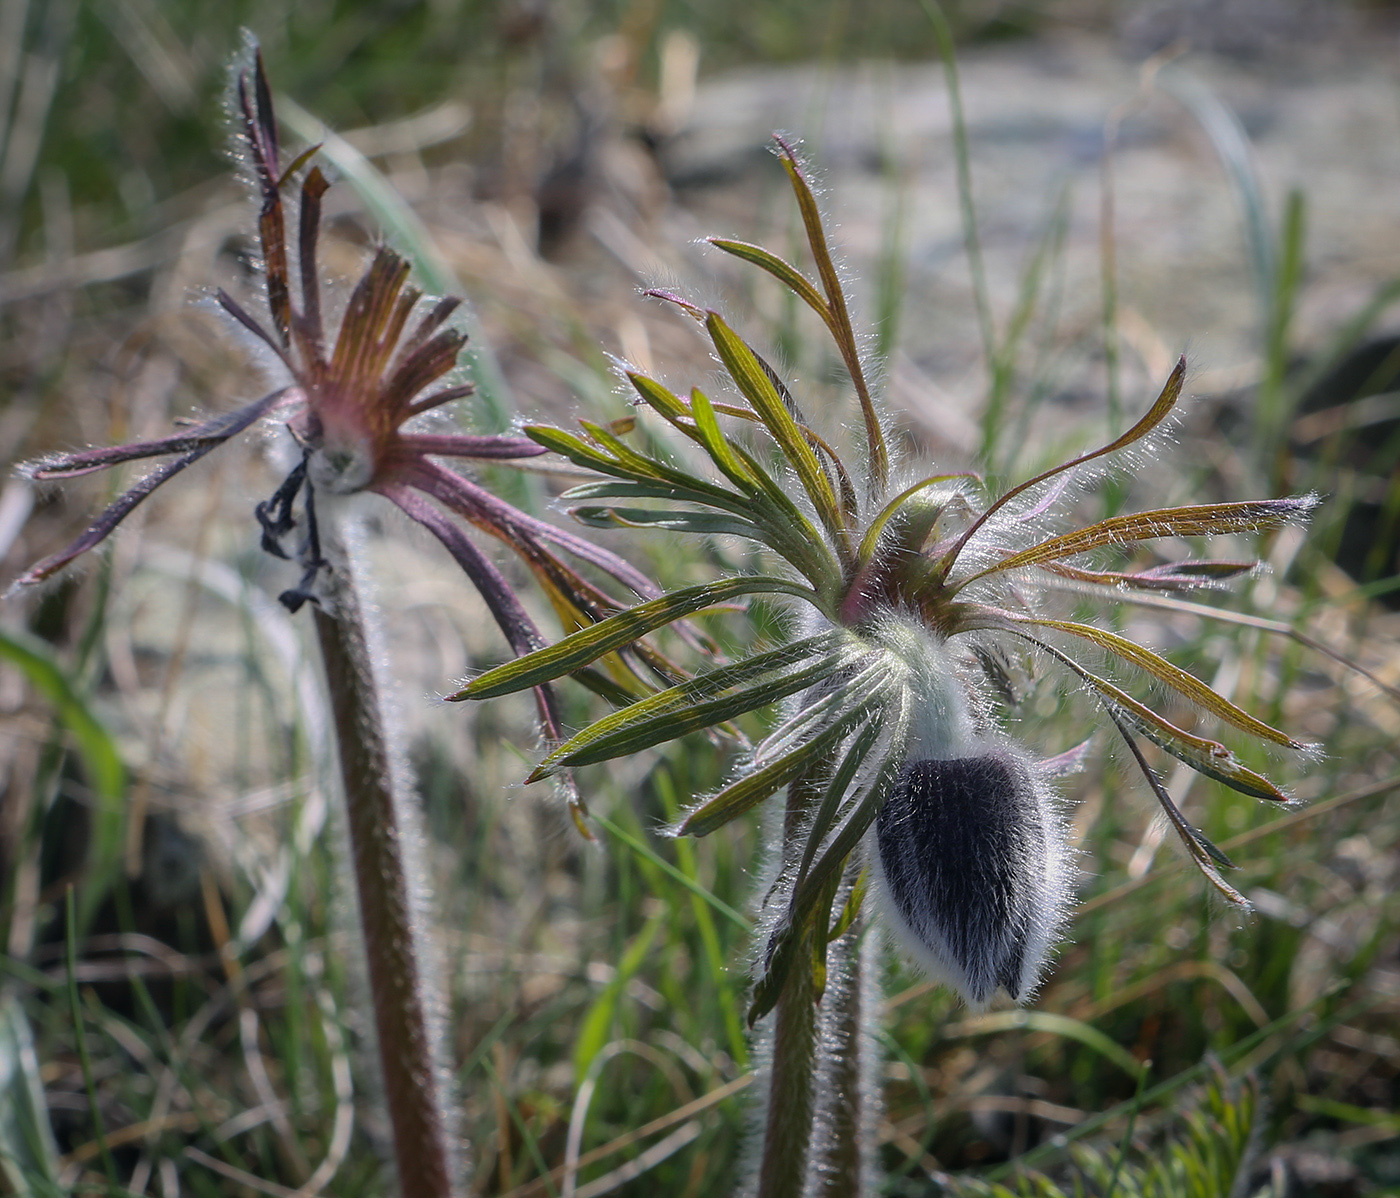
(1158, 412)
(1174, 576)
(717, 444)
(787, 274)
(750, 377)
(871, 539)
(839, 319)
(700, 523)
(694, 705)
(866, 680)
(1178, 679)
(1206, 756)
(1203, 520)
(862, 812)
(740, 796)
(591, 643)
(1202, 851)
(1225, 769)
(838, 789)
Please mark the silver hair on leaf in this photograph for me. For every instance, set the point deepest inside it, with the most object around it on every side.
(971, 864)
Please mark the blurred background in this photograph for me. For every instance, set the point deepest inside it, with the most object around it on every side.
(1219, 178)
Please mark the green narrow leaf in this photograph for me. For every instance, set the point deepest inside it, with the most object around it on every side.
(741, 796)
(1206, 756)
(717, 444)
(862, 813)
(787, 274)
(836, 791)
(1055, 1025)
(1224, 768)
(681, 710)
(750, 377)
(871, 540)
(838, 318)
(1201, 520)
(1158, 412)
(591, 643)
(698, 523)
(1178, 679)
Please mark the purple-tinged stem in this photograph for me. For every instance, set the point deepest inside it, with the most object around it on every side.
(382, 851)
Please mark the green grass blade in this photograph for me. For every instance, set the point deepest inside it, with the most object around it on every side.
(101, 762)
(28, 1152)
(596, 1028)
(1055, 1025)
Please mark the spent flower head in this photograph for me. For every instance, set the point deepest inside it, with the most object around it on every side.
(351, 397)
(908, 591)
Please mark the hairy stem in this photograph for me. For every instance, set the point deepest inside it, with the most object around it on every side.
(842, 1164)
(787, 1131)
(381, 850)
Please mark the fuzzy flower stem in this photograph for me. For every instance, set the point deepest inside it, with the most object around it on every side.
(841, 1158)
(787, 1131)
(380, 845)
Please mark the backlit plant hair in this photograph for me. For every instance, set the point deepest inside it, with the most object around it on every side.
(905, 590)
(352, 399)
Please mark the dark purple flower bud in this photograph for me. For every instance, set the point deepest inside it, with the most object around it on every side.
(971, 866)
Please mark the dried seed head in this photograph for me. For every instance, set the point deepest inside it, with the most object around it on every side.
(971, 867)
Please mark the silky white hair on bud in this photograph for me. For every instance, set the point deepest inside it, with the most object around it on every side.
(972, 861)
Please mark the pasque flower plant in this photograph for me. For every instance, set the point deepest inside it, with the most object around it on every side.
(353, 398)
(906, 593)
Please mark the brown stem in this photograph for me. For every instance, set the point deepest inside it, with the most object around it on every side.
(381, 850)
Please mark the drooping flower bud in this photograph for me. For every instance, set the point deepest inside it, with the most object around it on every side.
(971, 866)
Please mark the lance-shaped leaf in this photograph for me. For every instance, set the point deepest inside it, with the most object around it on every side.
(839, 318)
(806, 902)
(1202, 851)
(1178, 679)
(1206, 756)
(1200, 520)
(741, 796)
(1174, 576)
(1225, 769)
(702, 702)
(750, 377)
(589, 644)
(1157, 413)
(700, 523)
(867, 680)
(839, 789)
(787, 274)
